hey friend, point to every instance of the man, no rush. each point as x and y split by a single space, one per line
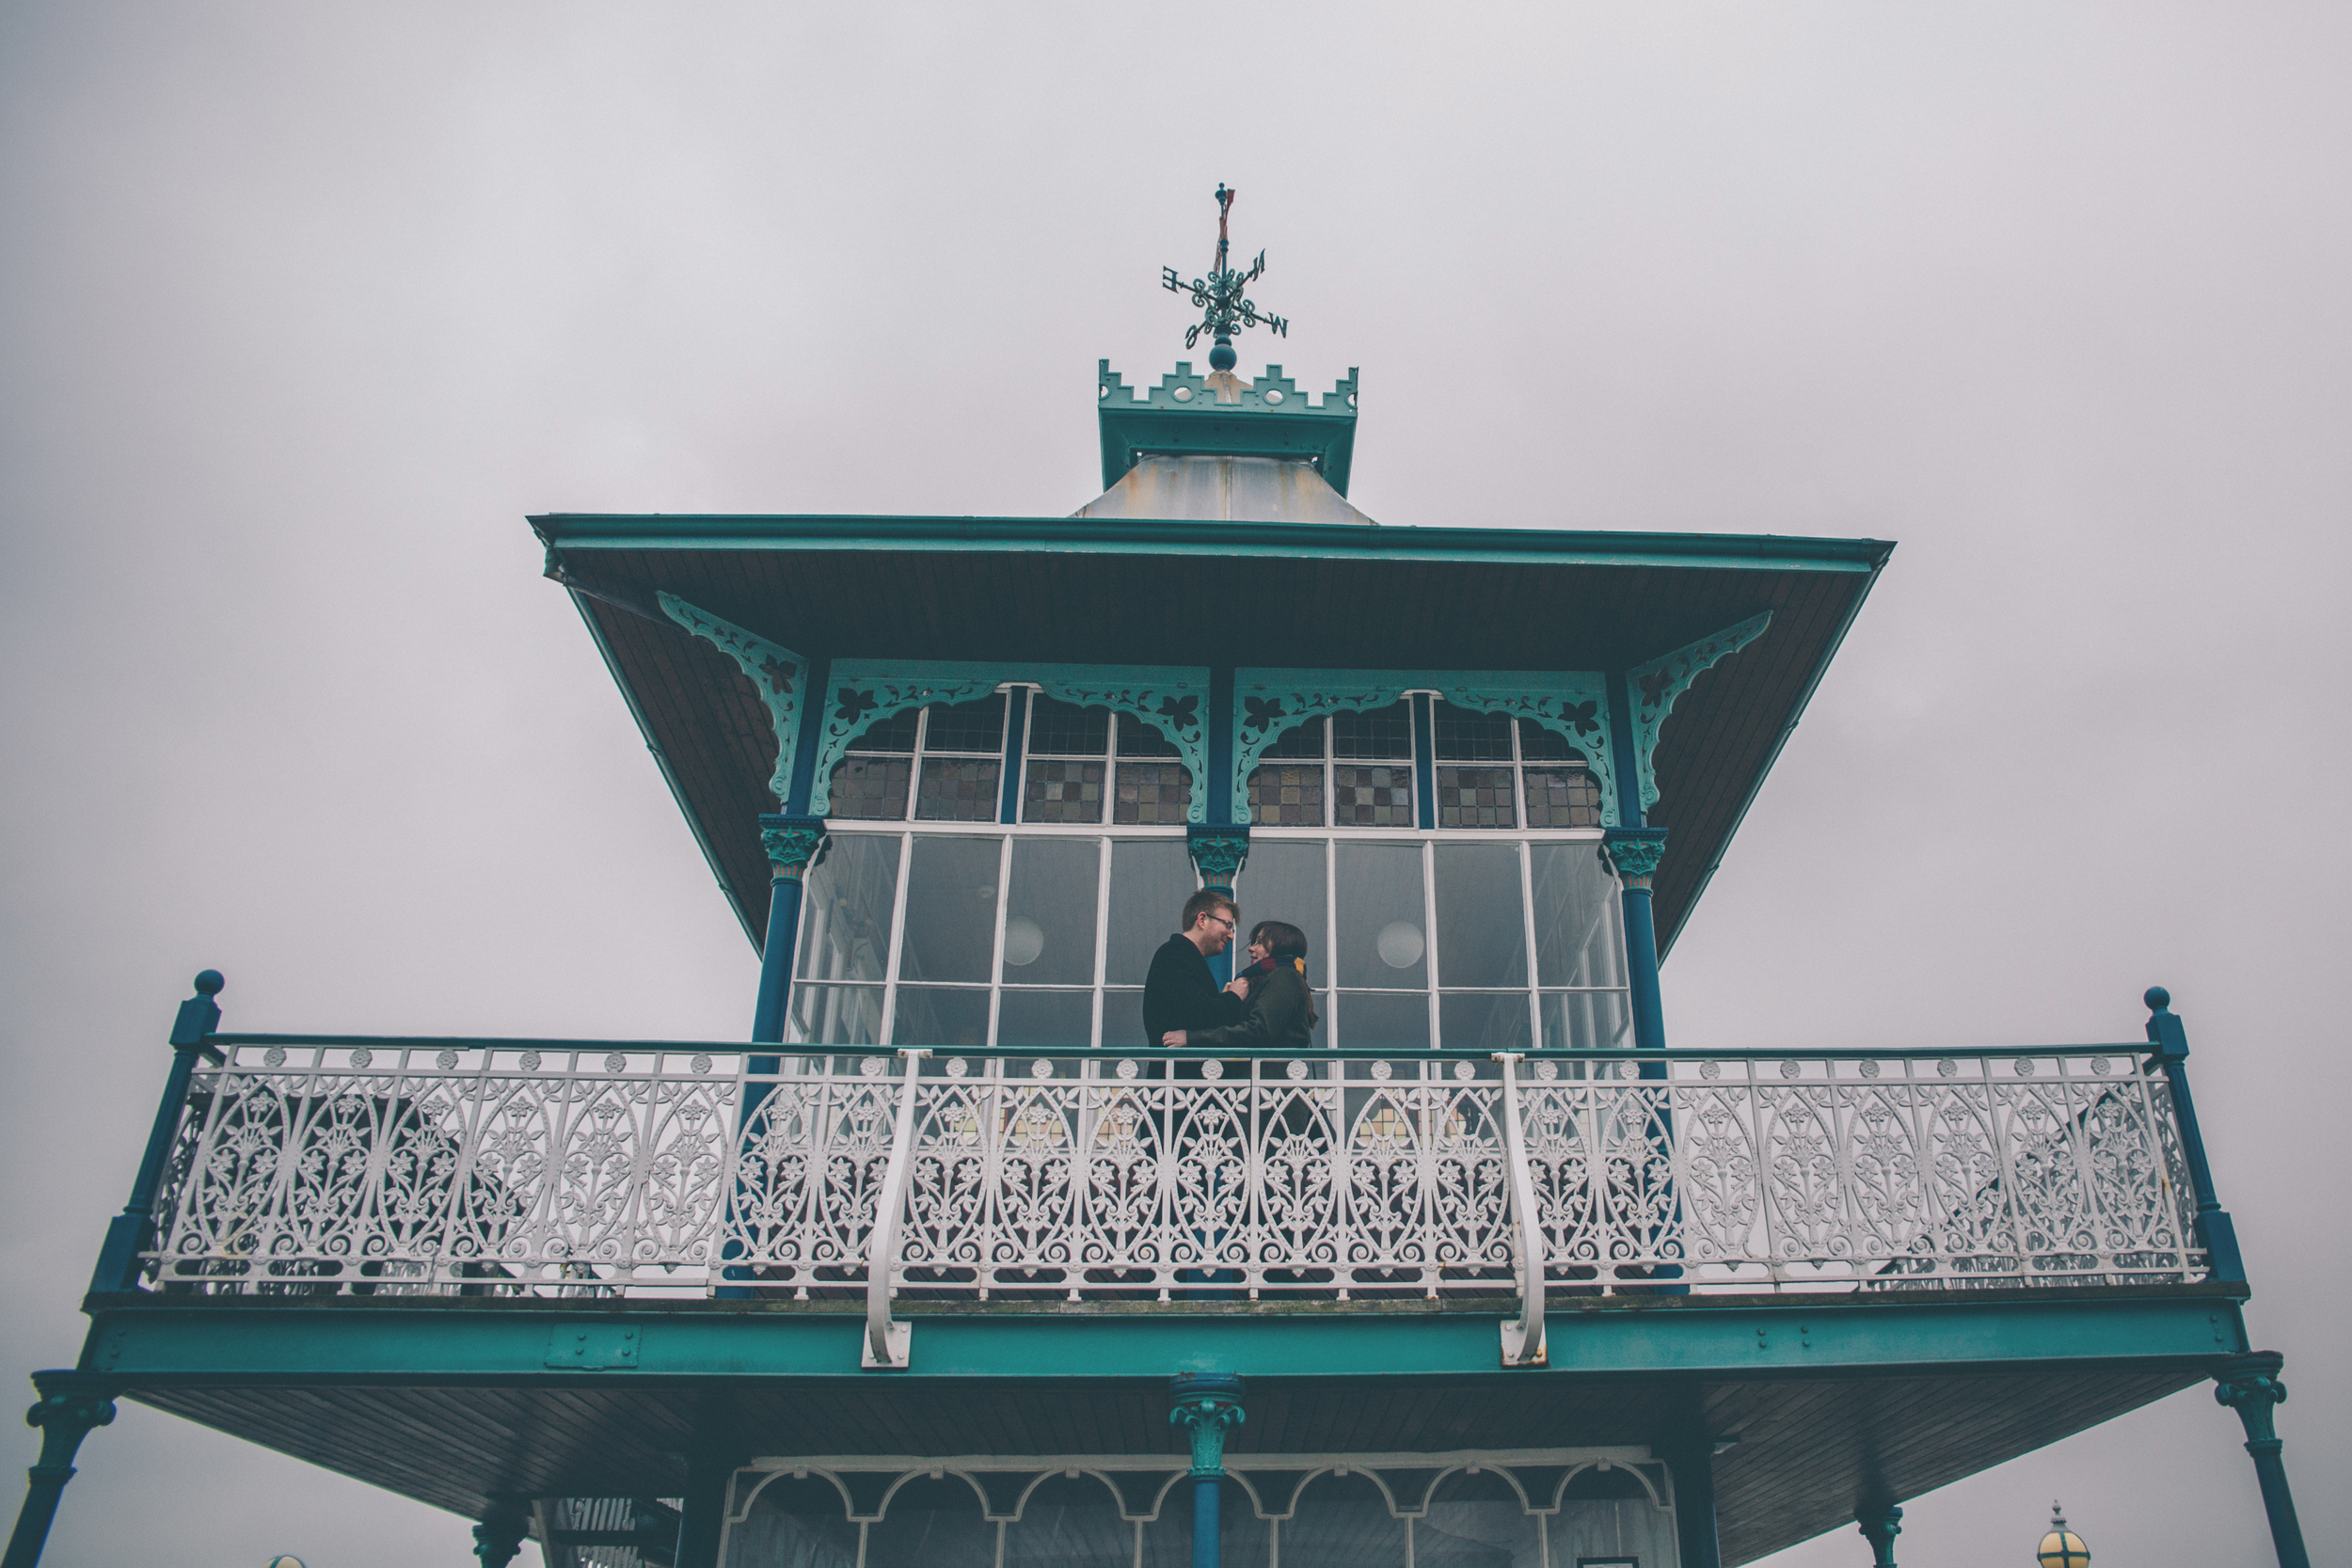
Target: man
1180 991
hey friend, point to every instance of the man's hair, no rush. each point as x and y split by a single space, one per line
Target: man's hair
1207 900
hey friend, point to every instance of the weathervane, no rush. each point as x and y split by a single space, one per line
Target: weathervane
1220 294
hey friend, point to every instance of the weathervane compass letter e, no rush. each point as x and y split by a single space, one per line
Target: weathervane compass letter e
1220 295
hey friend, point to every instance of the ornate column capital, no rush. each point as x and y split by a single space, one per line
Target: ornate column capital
791 842
2250 1386
70 1405
1209 1403
501 1536
1219 850
1880 1525
1635 853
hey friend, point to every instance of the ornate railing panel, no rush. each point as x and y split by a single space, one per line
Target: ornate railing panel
407 1166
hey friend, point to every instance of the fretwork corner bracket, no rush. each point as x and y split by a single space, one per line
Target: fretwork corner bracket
777 672
1653 689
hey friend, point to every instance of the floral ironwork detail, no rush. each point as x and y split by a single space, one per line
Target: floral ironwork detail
777 672
1654 687
1171 701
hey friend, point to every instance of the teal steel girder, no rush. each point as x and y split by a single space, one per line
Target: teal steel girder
137 1342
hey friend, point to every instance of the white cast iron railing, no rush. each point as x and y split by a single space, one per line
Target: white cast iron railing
387 1165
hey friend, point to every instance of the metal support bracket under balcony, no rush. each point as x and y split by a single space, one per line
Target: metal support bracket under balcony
888 1342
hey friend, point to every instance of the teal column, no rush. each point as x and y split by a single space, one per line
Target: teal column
709 1473
1218 851
1209 1404
501 1535
130 1233
791 842
1880 1525
70 1405
1690 1460
1635 853
2249 1385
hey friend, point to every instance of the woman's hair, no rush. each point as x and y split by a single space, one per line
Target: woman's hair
1284 940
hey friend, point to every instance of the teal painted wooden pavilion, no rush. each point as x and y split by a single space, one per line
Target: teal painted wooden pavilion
949 1264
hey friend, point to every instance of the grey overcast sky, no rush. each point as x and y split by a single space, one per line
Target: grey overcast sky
303 308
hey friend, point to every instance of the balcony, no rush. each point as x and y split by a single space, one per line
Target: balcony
1126 1178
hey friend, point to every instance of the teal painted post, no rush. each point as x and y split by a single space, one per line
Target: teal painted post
1209 1404
1879 1525
70 1405
1635 853
790 842
2249 1385
812 736
709 1473
1218 853
501 1535
1621 753
1016 742
1424 762
1690 1460
1222 787
128 1233
2213 1225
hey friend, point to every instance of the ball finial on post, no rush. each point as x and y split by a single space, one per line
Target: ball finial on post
2157 998
209 982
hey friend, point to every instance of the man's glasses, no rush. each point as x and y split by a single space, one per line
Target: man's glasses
1225 921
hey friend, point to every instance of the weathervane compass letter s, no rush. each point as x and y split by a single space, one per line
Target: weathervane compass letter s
1220 295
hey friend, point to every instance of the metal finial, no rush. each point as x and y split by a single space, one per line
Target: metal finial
1220 294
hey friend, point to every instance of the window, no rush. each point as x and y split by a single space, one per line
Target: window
1496 772
948 937
1356 770
951 753
1077 758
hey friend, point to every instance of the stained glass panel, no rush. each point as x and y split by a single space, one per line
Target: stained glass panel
1474 798
1562 798
958 789
1149 792
870 788
1064 791
1140 739
1373 797
1287 794
1059 729
1300 740
976 726
1386 732
1463 735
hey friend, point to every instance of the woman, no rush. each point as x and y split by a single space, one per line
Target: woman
1282 1008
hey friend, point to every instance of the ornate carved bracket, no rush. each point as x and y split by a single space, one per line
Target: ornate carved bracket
1574 706
1654 687
778 673
1208 1404
1267 703
1218 851
790 842
2250 1386
863 692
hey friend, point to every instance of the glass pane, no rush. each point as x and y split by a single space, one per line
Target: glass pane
1122 1019
1386 732
1049 917
1059 729
1243 1538
1152 792
1483 1020
893 733
1302 739
1285 882
1588 1020
1030 1017
1063 792
1070 1523
976 726
1140 739
951 910
1382 1023
1380 915
932 1524
1577 941
1538 744
1288 795
834 1015
1562 798
845 908
940 1016
1477 1521
958 791
1372 797
1342 1522
1463 735
1482 925
804 1523
870 789
1150 879
1474 798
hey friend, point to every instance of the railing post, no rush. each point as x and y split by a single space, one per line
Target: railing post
131 1233
2249 1385
1209 1403
1523 1340
888 1341
2213 1227
1881 1523
70 1405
